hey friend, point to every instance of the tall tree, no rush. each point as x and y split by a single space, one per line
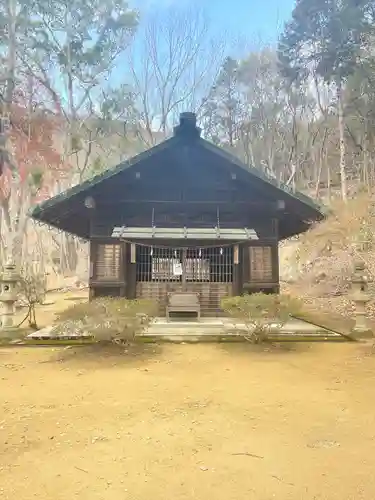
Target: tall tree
222 108
35 166
173 63
67 49
360 105
250 111
23 153
72 51
326 38
265 101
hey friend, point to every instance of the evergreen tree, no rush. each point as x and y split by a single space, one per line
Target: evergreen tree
326 39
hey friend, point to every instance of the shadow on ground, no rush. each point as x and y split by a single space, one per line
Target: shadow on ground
75 299
109 354
272 348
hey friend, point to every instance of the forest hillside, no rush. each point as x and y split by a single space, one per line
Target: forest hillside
318 265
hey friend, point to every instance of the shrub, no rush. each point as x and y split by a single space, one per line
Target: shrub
32 287
261 313
107 319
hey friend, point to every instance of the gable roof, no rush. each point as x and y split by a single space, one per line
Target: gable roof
37 211
266 180
49 211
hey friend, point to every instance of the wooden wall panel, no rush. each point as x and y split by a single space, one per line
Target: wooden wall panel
108 262
260 267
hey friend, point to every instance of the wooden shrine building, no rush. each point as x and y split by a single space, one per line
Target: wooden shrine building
183 216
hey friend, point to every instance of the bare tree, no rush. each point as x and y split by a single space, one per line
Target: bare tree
173 63
85 65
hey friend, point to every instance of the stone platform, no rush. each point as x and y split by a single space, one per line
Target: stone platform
223 329
210 330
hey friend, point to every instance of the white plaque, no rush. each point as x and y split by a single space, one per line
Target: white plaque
177 269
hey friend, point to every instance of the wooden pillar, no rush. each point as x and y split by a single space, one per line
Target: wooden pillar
237 263
92 265
275 267
275 258
245 277
130 259
184 263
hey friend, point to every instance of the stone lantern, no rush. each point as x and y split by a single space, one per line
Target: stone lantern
8 294
360 297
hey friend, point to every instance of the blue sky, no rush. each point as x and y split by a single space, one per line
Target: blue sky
251 23
252 18
260 20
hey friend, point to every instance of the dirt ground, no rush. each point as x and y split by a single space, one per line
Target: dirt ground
225 422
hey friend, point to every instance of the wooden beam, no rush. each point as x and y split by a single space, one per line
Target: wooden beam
224 205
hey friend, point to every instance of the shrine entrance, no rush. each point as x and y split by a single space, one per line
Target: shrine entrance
206 271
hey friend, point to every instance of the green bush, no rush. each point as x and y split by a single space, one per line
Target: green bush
261 313
115 320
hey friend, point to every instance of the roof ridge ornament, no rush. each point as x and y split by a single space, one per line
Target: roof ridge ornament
188 125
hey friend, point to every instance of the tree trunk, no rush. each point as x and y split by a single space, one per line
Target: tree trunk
340 107
322 158
365 170
366 157
11 57
319 176
68 254
329 191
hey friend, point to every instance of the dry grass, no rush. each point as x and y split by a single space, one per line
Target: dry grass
341 228
187 422
55 303
325 256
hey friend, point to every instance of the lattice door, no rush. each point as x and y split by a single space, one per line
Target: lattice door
208 272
